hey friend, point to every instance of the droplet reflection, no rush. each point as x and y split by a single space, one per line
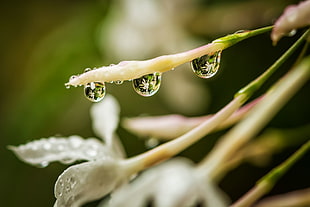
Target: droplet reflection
94 91
206 66
147 85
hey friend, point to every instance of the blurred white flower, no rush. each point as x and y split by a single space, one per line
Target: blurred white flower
175 183
90 180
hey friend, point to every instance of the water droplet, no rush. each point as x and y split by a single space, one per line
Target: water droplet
92 153
241 31
43 164
147 85
94 91
71 181
75 142
87 70
73 77
118 82
292 33
68 189
47 146
60 147
61 183
151 143
67 161
206 66
34 147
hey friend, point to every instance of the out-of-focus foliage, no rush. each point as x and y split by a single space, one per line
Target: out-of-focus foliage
44 42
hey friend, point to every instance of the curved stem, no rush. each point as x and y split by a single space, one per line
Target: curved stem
257 83
264 185
256 120
175 146
128 70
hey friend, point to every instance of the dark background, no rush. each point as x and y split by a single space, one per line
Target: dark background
44 42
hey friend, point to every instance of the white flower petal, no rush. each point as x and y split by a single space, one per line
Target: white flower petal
174 184
65 150
212 195
87 182
105 116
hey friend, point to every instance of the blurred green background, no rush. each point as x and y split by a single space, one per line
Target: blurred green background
45 42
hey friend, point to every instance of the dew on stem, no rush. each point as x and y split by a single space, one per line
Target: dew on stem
94 91
147 85
207 66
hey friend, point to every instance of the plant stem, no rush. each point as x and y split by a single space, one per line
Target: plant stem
256 120
128 70
265 184
175 146
232 39
168 127
257 83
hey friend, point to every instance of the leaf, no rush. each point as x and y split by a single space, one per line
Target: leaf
65 150
294 17
105 116
87 182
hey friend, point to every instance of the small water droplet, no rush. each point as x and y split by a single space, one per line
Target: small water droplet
241 31
75 142
60 147
72 182
67 161
43 164
206 66
61 183
87 70
118 82
94 91
47 146
59 194
292 33
68 189
73 77
92 153
147 85
34 147
151 143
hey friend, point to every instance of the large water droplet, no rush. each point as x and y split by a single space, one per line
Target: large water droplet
94 91
206 66
147 85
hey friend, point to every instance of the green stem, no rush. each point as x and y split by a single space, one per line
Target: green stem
232 141
265 184
279 171
258 82
232 39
